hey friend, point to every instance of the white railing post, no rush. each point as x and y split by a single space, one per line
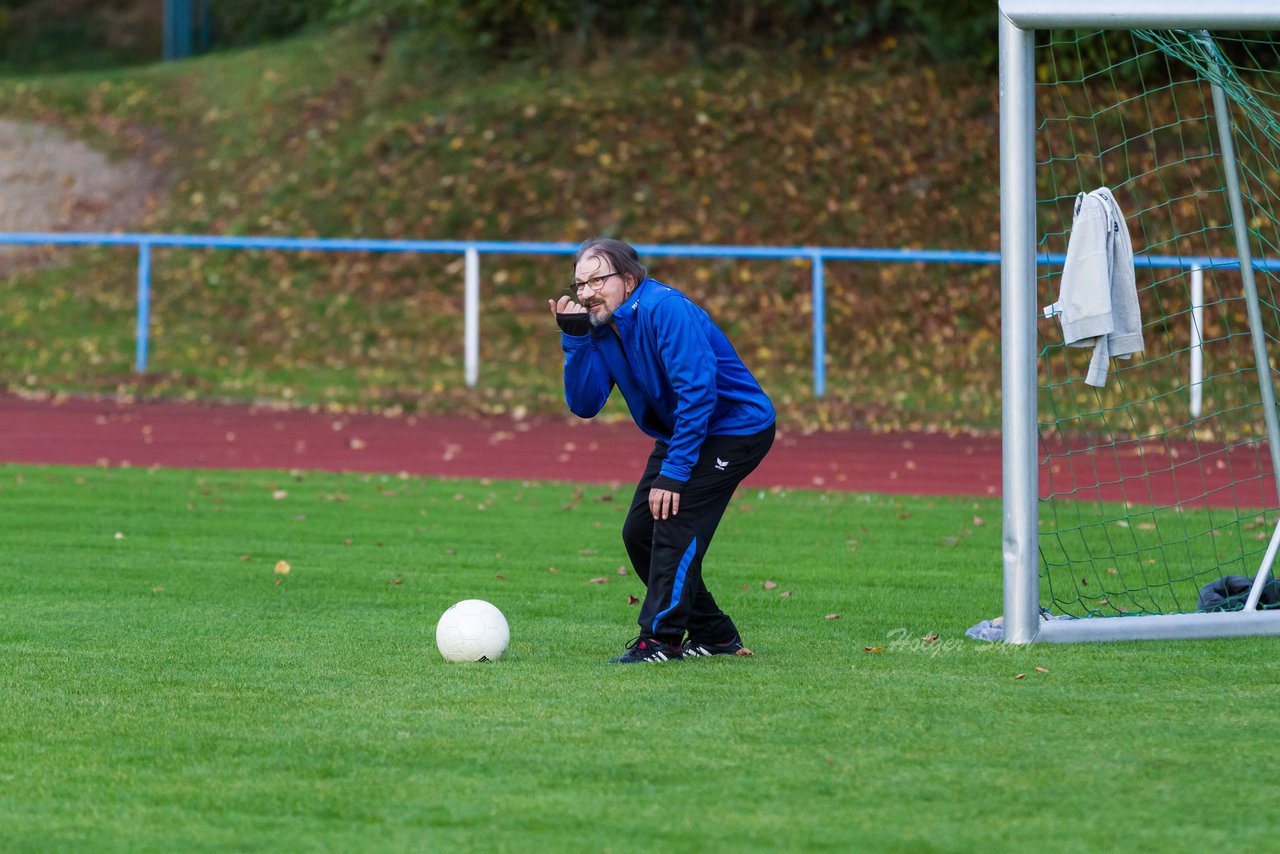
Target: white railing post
1197 340
471 309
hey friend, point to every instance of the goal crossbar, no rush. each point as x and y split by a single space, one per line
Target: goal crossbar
1139 14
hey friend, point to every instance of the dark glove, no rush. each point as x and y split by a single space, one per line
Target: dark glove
575 323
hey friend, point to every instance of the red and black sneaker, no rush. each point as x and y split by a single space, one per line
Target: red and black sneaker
702 649
648 651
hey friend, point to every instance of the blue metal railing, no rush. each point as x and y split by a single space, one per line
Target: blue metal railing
471 249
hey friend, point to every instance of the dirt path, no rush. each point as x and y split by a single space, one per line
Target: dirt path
49 182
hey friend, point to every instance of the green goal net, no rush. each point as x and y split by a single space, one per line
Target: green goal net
1157 481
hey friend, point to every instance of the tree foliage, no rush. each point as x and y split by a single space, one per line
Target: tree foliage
57 34
965 28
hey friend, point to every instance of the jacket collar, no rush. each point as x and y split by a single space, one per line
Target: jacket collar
627 311
625 314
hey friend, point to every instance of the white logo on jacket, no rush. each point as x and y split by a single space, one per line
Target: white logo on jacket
720 464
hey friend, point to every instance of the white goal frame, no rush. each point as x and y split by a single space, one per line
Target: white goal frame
1019 19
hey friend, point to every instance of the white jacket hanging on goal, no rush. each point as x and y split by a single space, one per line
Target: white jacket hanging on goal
1098 300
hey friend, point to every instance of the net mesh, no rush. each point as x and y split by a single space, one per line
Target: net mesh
1145 495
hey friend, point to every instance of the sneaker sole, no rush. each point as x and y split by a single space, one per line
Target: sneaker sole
702 652
656 658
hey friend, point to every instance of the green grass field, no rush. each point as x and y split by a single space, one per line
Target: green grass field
162 692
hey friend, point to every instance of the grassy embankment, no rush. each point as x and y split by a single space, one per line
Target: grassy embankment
313 137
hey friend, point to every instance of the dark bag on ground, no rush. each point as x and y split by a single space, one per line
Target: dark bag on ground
1230 592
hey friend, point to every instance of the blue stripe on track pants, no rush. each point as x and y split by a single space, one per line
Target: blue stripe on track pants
668 554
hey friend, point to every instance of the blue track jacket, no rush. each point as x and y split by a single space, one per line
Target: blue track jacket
679 374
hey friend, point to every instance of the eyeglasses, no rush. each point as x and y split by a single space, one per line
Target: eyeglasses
595 283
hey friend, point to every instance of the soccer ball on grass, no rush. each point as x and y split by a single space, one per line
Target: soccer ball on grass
472 630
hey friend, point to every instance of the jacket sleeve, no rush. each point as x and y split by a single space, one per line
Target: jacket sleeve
691 370
587 381
1085 297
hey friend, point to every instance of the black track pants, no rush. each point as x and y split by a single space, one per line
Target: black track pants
667 553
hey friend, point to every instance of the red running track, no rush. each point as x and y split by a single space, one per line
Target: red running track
109 432
78 431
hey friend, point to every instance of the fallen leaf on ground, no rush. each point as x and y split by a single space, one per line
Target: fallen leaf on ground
631 600
832 617
598 581
1041 670
282 568
873 649
769 585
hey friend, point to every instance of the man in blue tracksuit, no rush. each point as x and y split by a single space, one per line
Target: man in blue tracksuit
711 422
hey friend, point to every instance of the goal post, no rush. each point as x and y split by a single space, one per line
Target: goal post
1116 506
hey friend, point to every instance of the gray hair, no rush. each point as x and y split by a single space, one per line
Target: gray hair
623 256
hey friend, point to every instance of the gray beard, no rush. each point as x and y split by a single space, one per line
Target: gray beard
596 324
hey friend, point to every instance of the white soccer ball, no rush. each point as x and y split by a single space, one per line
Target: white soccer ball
472 630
